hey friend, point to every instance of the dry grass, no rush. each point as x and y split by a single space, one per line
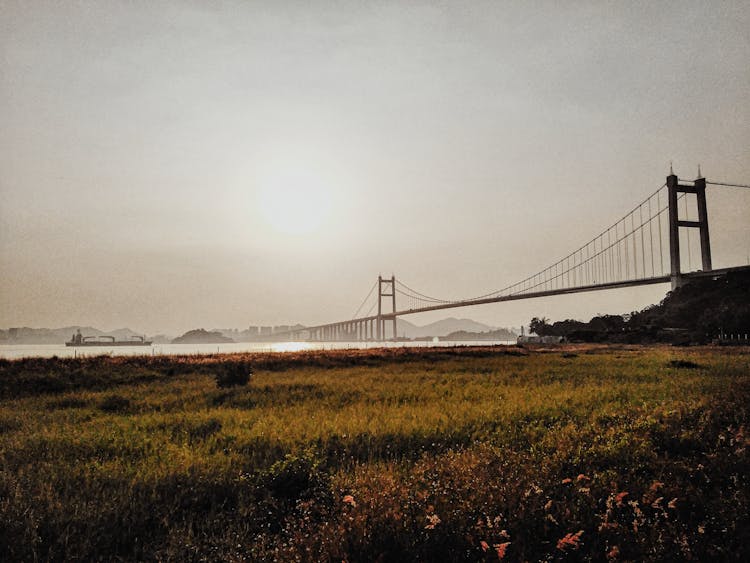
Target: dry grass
441 454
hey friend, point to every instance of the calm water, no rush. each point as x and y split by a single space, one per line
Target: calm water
48 350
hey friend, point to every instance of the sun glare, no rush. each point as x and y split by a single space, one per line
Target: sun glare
295 204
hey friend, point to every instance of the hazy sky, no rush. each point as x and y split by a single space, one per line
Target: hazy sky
172 165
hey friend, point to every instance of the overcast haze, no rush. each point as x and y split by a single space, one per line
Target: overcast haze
170 165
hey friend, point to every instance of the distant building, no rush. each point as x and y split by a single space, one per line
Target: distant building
253 330
534 339
281 328
266 330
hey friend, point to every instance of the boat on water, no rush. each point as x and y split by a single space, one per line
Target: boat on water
78 340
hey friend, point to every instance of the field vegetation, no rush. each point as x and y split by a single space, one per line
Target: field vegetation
468 454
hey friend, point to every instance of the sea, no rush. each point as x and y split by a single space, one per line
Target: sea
15 351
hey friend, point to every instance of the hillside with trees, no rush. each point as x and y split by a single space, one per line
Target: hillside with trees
699 311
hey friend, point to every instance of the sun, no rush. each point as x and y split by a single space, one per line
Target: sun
295 204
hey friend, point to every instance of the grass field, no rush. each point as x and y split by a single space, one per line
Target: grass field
468 454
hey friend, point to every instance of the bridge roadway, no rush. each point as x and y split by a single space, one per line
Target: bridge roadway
365 328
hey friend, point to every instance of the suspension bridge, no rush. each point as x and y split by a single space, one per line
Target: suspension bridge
644 247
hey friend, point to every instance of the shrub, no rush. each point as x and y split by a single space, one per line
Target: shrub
233 374
684 364
115 403
295 477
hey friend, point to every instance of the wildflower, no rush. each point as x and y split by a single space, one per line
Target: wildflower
548 506
620 497
571 541
349 499
485 545
672 503
584 490
581 477
501 548
567 480
613 553
533 490
655 486
740 437
433 520
657 503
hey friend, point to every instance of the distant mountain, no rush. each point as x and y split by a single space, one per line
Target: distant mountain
26 335
201 336
439 328
122 334
161 339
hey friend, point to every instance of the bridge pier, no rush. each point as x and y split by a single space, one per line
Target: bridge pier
674 187
384 285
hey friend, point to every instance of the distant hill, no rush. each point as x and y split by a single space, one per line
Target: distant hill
201 336
161 339
439 328
26 335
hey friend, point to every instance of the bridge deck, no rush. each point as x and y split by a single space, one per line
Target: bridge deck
527 295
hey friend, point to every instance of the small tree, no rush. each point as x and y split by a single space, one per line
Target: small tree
539 326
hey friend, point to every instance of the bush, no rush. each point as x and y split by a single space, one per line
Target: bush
233 374
684 364
296 477
115 403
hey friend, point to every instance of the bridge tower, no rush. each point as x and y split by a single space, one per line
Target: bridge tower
674 187
386 288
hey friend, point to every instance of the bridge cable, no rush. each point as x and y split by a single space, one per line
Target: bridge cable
354 316
728 185
583 268
624 239
413 299
579 251
371 309
425 297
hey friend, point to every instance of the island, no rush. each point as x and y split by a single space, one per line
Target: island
201 336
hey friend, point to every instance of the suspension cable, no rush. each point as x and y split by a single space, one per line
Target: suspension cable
354 316
425 297
728 185
564 263
581 264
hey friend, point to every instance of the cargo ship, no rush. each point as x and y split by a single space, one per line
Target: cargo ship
78 340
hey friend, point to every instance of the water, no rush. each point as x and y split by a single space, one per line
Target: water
12 351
